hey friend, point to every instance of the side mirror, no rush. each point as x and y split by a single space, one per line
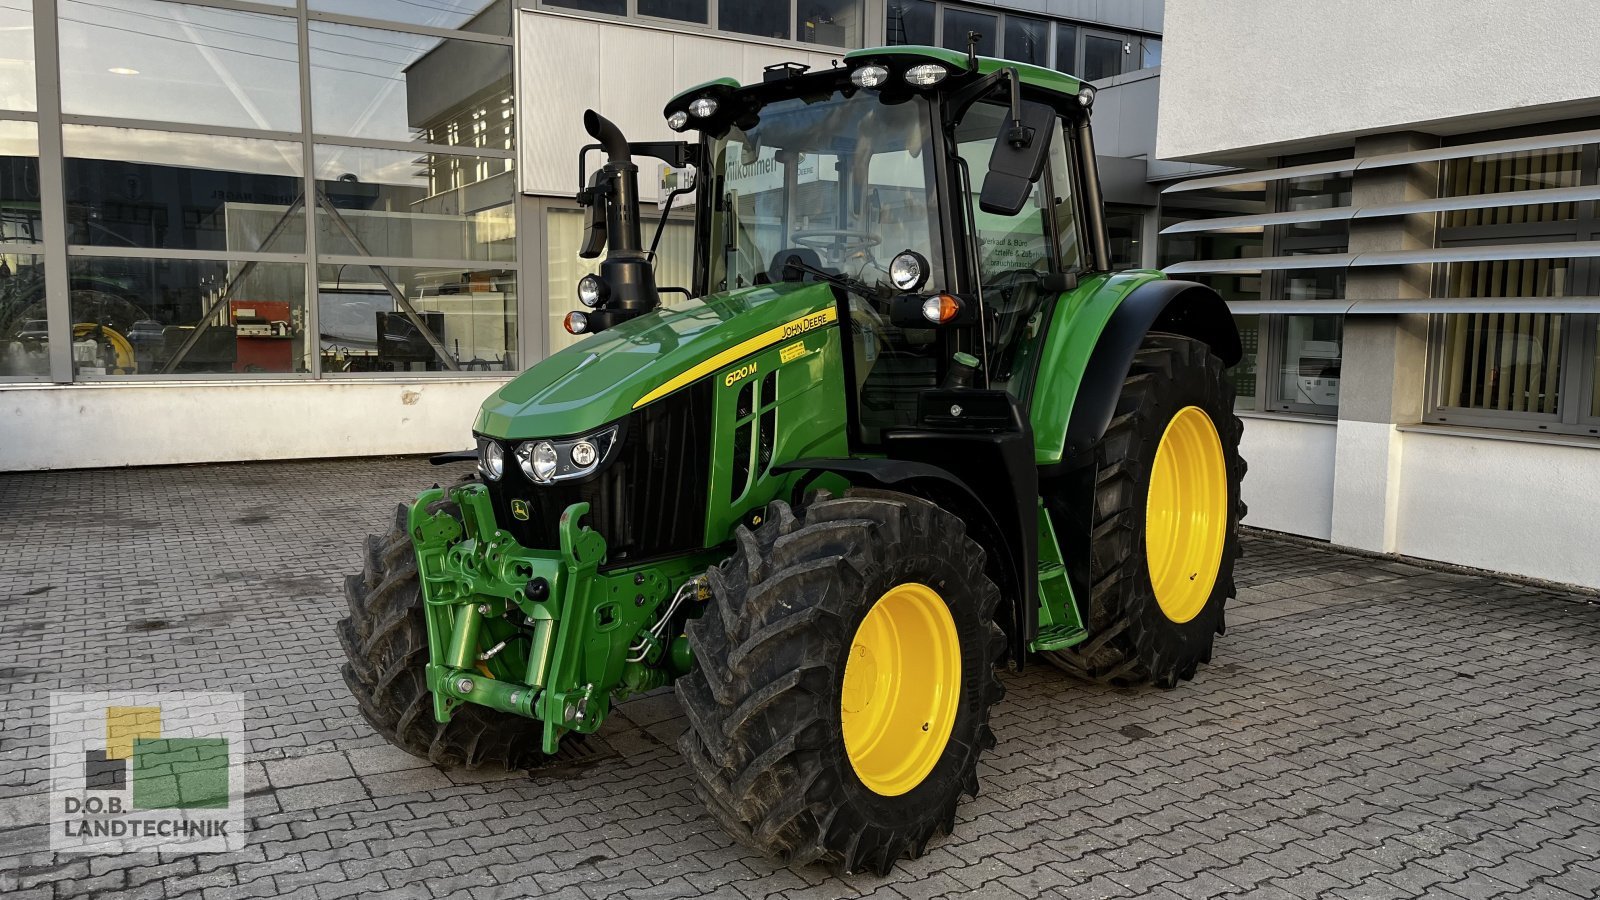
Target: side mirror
594 218
1017 160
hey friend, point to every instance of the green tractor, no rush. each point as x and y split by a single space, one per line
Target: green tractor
908 426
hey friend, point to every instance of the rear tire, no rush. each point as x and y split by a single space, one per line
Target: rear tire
767 704
1133 639
386 642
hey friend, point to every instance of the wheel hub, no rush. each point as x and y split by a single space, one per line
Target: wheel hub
902 684
1186 514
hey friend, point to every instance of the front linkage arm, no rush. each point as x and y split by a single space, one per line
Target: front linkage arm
536 633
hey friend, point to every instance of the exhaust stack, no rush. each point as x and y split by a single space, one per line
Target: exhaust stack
628 278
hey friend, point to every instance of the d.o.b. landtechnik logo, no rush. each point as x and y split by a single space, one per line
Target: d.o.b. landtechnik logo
136 772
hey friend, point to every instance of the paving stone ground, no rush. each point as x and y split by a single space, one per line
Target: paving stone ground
1368 729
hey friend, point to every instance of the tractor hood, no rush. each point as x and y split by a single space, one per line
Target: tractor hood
605 376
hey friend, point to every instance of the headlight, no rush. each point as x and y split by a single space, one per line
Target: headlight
591 290
678 120
703 107
538 461
546 461
1086 96
491 460
926 74
909 270
869 76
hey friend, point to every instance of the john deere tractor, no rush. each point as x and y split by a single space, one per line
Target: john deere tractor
906 425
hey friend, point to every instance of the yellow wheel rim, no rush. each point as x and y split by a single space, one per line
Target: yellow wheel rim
901 687
1186 515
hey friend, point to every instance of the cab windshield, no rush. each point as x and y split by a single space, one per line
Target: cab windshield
841 182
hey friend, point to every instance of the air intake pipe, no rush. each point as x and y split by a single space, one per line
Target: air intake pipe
629 277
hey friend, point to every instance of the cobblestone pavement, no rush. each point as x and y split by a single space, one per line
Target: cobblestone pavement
1368 729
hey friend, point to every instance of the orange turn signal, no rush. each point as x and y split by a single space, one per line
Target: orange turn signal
575 323
941 308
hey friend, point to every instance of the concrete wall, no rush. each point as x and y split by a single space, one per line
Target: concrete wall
1289 486
1249 78
1508 505
94 425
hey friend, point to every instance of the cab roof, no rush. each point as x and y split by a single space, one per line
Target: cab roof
1032 75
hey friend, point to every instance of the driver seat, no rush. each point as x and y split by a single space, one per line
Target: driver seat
780 270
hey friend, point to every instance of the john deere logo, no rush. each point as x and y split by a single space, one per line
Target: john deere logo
519 510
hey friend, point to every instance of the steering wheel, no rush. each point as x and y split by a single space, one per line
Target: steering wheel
838 241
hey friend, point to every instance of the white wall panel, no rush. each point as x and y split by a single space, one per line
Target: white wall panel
560 79
1289 486
1245 75
98 425
1512 506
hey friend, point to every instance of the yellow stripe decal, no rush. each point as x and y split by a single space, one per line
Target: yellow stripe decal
760 342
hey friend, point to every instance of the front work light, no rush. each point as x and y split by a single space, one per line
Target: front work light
926 75
678 120
491 460
703 107
584 454
591 290
538 461
576 323
908 271
940 308
869 76
1086 96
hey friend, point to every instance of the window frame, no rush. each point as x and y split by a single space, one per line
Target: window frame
1576 356
710 26
1132 41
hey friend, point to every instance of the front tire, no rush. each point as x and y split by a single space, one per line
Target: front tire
1165 520
845 676
385 641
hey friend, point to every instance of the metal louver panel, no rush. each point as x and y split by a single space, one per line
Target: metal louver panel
1556 250
1345 213
1410 157
1417 305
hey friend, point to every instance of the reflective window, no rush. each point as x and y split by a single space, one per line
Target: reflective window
1243 375
140 59
19 184
763 18
834 23
391 203
1125 231
133 316
1102 57
1151 56
1504 361
609 7
484 16
911 22
409 87
680 10
129 187
1027 40
1309 372
960 23
24 339
396 319
1067 48
1500 173
16 56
